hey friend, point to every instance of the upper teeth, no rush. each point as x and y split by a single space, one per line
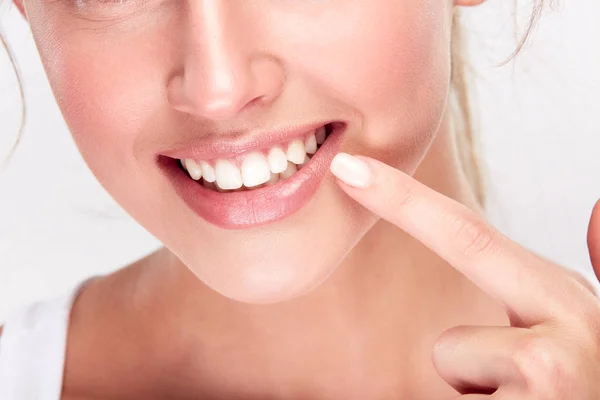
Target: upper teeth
208 172
277 160
255 171
257 168
311 144
296 151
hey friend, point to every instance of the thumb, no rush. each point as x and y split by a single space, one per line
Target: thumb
593 239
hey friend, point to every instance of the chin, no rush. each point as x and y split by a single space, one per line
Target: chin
275 264
276 283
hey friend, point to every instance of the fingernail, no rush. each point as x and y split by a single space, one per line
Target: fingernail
351 170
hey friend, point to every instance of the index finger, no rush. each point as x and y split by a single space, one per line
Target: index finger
531 288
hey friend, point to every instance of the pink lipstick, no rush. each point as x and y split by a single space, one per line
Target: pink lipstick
263 205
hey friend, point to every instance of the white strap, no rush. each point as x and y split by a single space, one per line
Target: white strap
32 349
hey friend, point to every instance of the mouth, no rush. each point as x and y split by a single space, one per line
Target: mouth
259 186
257 169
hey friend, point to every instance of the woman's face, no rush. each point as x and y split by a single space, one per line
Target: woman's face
142 83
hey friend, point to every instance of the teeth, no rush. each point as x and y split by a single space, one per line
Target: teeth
289 171
306 160
320 135
255 170
277 160
228 175
208 172
193 169
273 180
311 144
296 151
209 185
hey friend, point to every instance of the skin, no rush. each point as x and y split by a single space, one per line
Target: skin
224 314
225 67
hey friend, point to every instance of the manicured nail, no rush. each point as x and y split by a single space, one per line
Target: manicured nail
351 170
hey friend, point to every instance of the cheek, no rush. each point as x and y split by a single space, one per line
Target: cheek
386 61
393 68
109 96
105 105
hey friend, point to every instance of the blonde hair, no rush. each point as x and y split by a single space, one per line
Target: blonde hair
463 113
463 121
15 66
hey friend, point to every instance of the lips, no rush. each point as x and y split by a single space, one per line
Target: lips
259 206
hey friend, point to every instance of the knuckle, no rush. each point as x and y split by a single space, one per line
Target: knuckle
582 320
583 281
544 371
472 235
589 326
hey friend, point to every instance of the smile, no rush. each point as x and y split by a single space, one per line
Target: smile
258 168
251 188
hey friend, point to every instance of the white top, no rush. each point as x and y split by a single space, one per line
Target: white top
32 349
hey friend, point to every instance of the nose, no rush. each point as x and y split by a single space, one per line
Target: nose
224 71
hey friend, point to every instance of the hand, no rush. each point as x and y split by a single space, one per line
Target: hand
551 351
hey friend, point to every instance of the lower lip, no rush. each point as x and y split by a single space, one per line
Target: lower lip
239 210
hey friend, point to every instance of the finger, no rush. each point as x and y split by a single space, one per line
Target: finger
480 360
498 395
501 394
583 281
593 239
473 397
529 287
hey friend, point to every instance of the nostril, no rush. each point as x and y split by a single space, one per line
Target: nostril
258 101
218 99
218 103
220 87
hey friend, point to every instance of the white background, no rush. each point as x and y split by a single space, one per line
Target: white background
538 123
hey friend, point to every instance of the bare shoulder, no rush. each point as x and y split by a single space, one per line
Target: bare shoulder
105 334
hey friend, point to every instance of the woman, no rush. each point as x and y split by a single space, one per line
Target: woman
291 268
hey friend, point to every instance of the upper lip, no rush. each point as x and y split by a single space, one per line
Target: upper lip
229 146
